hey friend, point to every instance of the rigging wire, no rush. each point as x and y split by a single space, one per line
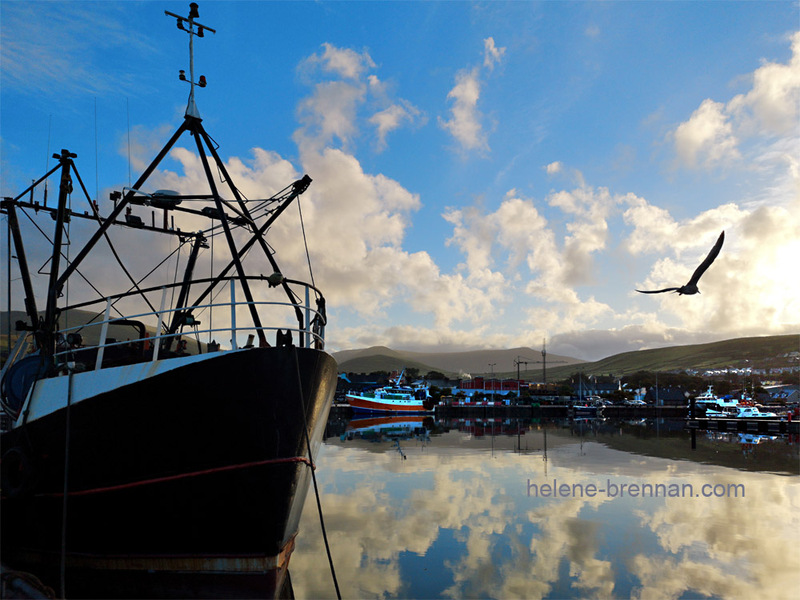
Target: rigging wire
68 428
108 240
305 241
130 289
128 112
47 156
313 475
211 311
96 159
175 277
8 291
46 237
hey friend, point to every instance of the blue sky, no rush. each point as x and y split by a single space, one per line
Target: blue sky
485 174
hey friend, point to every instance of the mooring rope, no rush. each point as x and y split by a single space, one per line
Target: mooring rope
63 563
313 475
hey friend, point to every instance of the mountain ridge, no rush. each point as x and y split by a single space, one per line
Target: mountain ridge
757 352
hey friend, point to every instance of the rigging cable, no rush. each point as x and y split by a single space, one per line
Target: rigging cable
89 283
128 112
305 241
63 563
175 277
96 159
8 291
211 311
108 239
313 476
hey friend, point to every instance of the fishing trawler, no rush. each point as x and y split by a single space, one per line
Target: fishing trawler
140 448
392 398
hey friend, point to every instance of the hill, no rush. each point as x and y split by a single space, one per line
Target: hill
756 352
476 362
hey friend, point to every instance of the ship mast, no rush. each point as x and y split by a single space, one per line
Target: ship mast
195 29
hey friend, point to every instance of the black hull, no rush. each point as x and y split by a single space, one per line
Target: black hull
204 467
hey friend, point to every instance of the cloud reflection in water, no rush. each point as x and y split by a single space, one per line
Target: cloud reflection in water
454 520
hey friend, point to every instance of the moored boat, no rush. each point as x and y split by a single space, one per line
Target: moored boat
710 405
753 412
392 398
138 454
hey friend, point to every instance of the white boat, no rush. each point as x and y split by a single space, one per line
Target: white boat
393 398
714 406
752 412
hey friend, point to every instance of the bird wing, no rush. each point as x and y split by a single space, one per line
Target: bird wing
658 291
698 272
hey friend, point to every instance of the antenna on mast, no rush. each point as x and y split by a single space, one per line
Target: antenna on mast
195 29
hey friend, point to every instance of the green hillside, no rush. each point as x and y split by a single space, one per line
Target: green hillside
383 362
756 352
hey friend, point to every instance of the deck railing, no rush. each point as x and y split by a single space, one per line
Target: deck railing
158 345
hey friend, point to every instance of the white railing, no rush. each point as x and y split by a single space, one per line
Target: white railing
310 335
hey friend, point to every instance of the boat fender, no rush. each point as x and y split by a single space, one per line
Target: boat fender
16 473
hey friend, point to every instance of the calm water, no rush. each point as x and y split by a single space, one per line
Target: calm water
462 510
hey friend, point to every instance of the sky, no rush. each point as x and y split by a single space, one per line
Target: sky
485 174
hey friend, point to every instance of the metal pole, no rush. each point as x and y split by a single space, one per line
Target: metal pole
157 341
233 314
103 333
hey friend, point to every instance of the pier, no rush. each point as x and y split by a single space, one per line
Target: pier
760 426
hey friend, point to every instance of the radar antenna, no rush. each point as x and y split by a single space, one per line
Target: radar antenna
195 29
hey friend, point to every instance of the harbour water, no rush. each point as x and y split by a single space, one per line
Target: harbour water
559 509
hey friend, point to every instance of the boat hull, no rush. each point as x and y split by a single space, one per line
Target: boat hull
373 405
202 467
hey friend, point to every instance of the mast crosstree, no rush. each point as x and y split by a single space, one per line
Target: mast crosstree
194 29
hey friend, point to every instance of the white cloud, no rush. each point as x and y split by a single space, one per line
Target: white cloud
747 290
466 120
491 53
773 103
713 135
332 113
342 62
707 138
391 118
553 168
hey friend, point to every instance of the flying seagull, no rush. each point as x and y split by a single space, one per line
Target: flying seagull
691 287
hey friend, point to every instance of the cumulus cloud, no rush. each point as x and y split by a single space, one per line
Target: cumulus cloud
714 133
773 103
706 139
525 266
343 87
342 62
466 120
745 292
553 168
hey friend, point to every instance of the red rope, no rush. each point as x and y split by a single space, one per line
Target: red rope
124 486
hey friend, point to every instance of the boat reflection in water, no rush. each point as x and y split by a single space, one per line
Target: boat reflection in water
468 512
